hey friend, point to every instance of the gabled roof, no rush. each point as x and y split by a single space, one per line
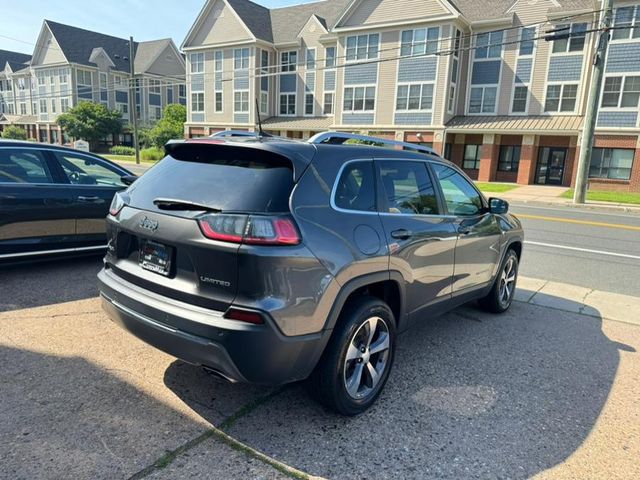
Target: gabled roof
17 61
147 53
288 21
256 18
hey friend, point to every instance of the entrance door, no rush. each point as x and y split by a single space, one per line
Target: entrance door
551 165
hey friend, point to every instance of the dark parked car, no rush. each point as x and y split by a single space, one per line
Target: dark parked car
54 200
270 261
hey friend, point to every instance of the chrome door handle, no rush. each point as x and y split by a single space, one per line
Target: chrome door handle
401 234
83 199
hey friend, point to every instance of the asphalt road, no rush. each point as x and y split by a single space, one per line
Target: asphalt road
597 249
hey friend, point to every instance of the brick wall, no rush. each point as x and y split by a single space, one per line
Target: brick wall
618 141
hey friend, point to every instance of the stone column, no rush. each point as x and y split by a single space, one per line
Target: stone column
488 158
527 167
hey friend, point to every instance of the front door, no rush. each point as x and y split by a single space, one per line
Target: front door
551 165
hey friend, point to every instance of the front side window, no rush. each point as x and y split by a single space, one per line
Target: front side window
240 58
197 102
460 196
527 35
630 92
359 99
308 104
22 166
328 103
471 159
415 97
330 57
408 188
483 100
509 158
81 170
561 98
288 104
311 58
611 163
420 41
355 189
362 47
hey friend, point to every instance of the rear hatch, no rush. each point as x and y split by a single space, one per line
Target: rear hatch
184 220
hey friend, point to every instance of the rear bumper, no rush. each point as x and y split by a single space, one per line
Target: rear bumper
239 352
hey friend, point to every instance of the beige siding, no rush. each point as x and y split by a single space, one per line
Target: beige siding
219 25
310 38
51 53
443 75
381 11
387 77
168 63
507 75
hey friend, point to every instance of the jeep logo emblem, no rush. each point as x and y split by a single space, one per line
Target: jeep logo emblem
148 224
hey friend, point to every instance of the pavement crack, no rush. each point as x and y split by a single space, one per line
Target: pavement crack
584 305
35 317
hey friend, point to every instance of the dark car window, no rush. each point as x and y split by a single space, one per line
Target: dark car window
408 188
460 196
23 166
356 187
85 170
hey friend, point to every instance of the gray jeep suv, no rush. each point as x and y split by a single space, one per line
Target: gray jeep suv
270 261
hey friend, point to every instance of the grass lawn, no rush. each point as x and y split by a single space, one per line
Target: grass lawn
602 196
124 158
495 187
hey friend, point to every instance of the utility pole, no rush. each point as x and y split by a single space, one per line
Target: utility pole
586 145
132 99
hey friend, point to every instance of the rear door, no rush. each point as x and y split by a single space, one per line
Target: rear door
91 183
479 234
35 208
420 239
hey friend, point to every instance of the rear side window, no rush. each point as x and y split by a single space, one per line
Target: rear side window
23 166
229 179
408 188
356 187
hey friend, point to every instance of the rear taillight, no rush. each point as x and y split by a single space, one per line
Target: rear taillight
250 229
118 202
244 316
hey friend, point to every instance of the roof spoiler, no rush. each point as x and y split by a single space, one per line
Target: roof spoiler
340 138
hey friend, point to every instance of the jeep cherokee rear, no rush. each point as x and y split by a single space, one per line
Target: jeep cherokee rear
270 261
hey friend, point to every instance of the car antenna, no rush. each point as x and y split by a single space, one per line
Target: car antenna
260 132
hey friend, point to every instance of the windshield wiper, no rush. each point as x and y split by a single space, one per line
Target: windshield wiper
176 205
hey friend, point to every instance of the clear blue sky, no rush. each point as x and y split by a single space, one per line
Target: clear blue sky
145 20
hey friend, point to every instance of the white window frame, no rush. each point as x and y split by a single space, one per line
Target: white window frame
521 41
295 106
264 71
624 78
531 56
513 98
371 51
633 28
484 88
242 101
308 95
491 42
196 62
452 91
333 103
332 57
422 47
311 61
354 88
422 86
197 93
43 106
567 50
239 58
218 68
264 102
560 99
286 66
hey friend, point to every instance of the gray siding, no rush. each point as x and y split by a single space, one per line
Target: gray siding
565 68
241 81
419 69
361 74
486 73
310 83
357 118
523 70
418 118
197 82
617 119
623 57
197 117
329 81
288 83
241 117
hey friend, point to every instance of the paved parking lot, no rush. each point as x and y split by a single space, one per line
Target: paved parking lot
538 391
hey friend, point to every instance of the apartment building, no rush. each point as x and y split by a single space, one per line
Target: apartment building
70 65
475 79
15 88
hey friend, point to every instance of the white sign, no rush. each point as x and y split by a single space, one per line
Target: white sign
81 145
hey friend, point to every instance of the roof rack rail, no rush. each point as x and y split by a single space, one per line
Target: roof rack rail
339 138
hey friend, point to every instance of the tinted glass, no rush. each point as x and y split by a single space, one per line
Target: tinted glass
460 196
81 170
408 188
23 166
226 178
356 188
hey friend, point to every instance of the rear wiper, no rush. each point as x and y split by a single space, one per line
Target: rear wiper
172 204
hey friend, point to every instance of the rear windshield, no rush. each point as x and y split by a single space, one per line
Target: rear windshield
237 180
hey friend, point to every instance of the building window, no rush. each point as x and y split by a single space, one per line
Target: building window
527 42
218 67
197 102
123 108
288 104
218 61
362 47
561 98
311 59
483 100
53 105
43 106
308 104
82 76
509 158
575 42
241 102
154 86
219 103
330 57
628 17
197 62
489 45
359 99
520 97
264 102
240 58
23 108
288 61
415 97
611 163
182 90
471 160
420 41
328 103
611 96
63 75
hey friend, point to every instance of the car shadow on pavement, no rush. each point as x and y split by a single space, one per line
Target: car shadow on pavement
36 284
471 395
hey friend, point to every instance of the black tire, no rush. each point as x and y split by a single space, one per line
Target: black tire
497 301
328 381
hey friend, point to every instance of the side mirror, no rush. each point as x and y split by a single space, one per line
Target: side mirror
498 206
129 179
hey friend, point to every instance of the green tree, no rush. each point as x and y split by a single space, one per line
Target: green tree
14 132
91 122
170 126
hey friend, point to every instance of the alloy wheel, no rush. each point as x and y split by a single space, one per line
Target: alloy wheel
507 281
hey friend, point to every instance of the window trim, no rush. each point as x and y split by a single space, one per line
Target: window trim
217 91
513 98
241 92
484 87
295 103
635 24
412 44
623 76
608 178
291 67
333 103
192 64
477 161
367 57
501 149
409 85
364 102
559 111
568 50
